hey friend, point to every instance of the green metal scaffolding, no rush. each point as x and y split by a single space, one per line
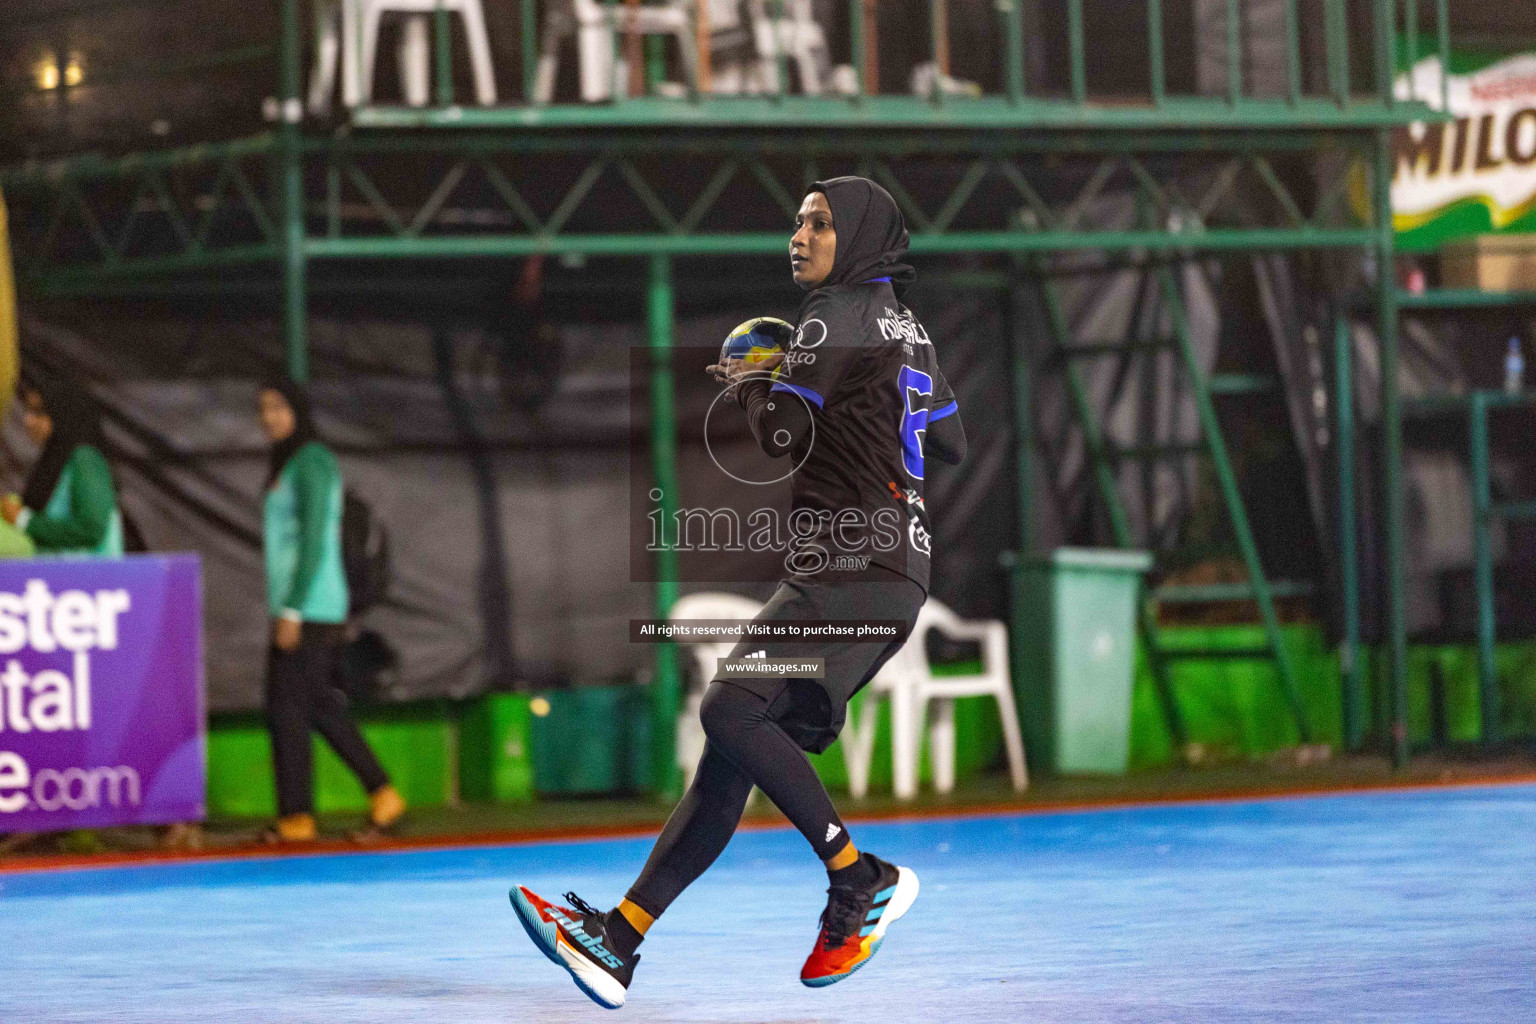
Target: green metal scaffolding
279 201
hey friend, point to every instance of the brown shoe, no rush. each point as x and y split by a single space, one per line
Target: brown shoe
385 806
293 828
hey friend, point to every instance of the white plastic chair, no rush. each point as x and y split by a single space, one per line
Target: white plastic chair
599 53
706 605
798 36
347 37
907 680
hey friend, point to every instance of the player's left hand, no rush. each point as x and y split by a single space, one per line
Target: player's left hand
733 371
286 633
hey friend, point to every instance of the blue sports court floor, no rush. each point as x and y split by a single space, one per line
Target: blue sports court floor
1398 906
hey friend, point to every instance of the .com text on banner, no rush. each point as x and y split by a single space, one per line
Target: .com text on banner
101 692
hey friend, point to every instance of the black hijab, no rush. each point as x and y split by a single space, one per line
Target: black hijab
303 423
76 421
871 233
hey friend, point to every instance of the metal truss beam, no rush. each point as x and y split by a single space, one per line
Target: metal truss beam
209 207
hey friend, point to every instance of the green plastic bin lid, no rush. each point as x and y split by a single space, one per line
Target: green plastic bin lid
1107 559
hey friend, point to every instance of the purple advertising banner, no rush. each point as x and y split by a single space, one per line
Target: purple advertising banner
101 692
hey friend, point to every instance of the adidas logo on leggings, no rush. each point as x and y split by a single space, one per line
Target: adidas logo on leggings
832 830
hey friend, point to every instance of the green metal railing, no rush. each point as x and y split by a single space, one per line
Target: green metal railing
1076 90
1012 57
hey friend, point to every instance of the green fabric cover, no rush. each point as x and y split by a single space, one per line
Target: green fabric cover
496 749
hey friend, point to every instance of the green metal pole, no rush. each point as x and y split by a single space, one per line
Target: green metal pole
1024 442
443 38
856 36
1349 570
938 45
1023 415
620 89
1336 24
1386 49
1013 29
529 9
1392 443
1079 64
1292 52
1482 560
1411 29
665 691
1234 53
290 158
1155 51
655 63
780 59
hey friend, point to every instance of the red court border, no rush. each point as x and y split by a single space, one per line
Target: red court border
533 837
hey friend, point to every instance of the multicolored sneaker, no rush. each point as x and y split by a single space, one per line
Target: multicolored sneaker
853 924
576 939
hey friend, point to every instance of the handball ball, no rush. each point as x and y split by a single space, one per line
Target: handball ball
757 339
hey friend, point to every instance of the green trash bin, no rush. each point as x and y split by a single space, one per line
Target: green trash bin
496 748
1076 657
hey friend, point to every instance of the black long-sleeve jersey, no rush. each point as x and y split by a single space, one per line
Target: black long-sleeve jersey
859 404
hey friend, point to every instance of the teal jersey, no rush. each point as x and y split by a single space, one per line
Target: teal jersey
301 538
81 517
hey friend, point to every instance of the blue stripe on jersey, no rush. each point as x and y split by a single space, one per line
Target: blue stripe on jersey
805 393
940 413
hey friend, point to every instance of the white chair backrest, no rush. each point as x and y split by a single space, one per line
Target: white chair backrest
713 605
913 659
724 15
936 615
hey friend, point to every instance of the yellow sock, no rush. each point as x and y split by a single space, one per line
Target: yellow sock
638 919
842 858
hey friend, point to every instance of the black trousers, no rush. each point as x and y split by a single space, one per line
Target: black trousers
758 731
302 694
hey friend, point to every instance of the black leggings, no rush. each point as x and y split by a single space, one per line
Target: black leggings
746 746
302 694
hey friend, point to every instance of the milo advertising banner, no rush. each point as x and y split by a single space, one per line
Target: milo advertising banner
101 692
1474 174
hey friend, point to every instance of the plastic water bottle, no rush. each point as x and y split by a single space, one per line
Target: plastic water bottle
1514 369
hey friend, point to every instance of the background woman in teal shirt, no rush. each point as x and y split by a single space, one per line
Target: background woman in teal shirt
307 599
69 504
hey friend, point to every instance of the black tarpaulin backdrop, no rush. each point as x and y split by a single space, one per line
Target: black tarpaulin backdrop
505 488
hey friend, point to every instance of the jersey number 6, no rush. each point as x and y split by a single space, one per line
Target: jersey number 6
916 389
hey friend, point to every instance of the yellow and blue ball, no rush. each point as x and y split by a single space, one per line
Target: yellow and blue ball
757 339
